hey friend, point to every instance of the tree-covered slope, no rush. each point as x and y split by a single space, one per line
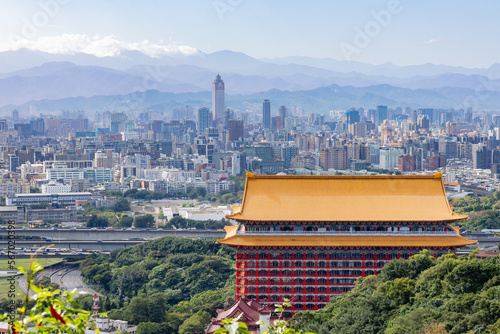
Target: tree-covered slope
164 283
419 295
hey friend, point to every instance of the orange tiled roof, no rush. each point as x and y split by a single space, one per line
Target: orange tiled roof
451 183
344 198
232 239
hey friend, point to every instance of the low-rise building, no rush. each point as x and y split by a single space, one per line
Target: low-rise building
15 213
55 188
10 187
52 199
215 187
57 215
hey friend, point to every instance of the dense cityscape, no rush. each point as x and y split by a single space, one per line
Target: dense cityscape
79 174
174 153
249 167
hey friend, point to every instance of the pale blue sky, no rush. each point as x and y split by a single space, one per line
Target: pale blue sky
451 32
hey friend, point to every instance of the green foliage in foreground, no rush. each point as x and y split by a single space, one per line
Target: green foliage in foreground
48 310
168 285
419 295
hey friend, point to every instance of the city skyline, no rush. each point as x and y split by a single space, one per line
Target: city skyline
373 32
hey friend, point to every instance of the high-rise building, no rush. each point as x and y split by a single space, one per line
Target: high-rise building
118 122
236 130
277 123
238 163
481 157
228 115
106 159
423 123
389 157
452 128
308 238
406 163
13 162
283 112
418 157
3 125
381 114
15 115
468 116
218 102
266 114
351 116
38 127
434 161
24 129
448 148
203 120
288 153
431 114
334 158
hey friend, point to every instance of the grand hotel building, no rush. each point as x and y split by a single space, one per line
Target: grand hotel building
307 238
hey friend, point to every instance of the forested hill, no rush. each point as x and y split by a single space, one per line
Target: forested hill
421 295
168 285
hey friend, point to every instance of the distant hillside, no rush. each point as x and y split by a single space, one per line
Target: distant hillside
319 100
27 76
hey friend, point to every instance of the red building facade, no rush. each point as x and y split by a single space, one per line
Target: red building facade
308 238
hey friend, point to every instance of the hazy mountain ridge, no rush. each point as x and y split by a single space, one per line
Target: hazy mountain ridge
66 79
319 100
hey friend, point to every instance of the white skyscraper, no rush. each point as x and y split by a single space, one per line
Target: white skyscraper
218 103
236 166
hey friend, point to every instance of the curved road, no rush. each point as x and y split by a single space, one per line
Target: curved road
68 279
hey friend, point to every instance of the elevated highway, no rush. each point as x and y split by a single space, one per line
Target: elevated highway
115 234
100 239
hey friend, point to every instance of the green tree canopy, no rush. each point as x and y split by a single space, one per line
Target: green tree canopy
97 221
122 204
144 221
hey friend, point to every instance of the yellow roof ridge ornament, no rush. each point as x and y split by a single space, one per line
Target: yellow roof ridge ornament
438 175
250 175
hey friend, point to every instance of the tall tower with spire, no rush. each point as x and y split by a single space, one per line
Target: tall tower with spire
218 102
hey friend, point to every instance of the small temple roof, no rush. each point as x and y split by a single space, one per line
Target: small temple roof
249 310
415 198
232 239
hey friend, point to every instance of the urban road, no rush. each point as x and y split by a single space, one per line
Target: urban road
102 239
68 277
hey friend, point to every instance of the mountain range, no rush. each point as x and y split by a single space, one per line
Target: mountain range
53 82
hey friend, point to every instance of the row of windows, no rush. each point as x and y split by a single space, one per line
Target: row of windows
284 289
297 306
298 281
264 264
358 228
334 255
276 297
307 272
